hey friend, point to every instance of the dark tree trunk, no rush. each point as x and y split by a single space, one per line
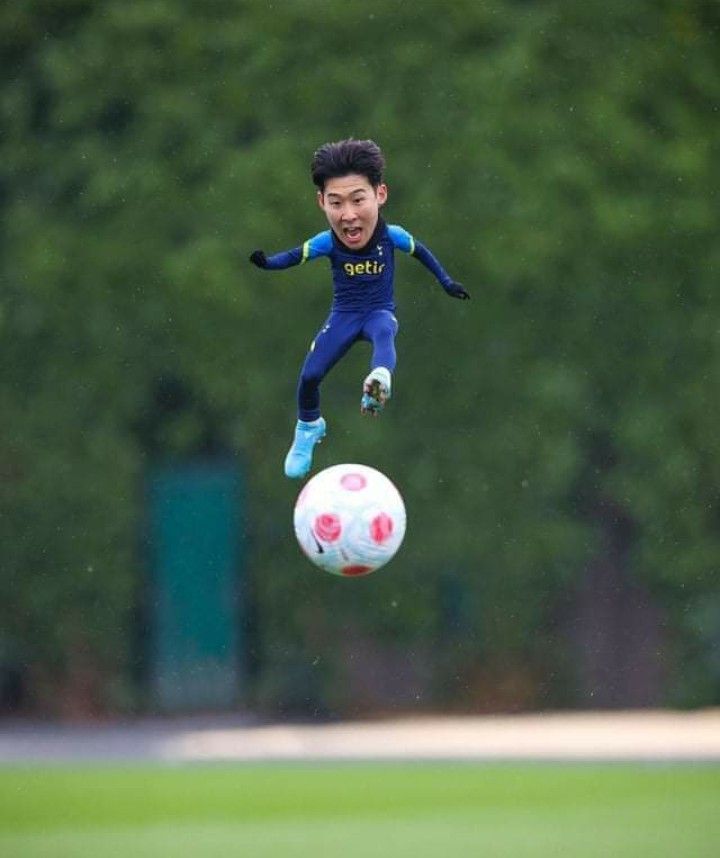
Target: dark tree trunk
615 627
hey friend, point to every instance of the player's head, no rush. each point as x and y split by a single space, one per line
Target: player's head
349 178
334 160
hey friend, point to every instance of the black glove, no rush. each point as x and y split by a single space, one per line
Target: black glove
457 290
257 257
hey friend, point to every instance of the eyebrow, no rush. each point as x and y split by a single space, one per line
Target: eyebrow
349 194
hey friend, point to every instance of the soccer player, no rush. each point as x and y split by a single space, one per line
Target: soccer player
360 246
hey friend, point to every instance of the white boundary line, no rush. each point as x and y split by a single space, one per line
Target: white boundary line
653 736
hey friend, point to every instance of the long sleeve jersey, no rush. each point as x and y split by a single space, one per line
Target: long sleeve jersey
362 279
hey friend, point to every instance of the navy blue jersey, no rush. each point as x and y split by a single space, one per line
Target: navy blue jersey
362 279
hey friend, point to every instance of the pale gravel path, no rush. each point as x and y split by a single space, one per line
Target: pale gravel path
652 736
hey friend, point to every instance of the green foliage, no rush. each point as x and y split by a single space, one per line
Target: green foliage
560 159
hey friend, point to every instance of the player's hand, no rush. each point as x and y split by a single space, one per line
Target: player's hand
257 257
457 290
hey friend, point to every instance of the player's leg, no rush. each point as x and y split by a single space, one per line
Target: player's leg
331 343
380 329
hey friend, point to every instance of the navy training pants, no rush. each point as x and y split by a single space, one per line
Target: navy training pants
333 340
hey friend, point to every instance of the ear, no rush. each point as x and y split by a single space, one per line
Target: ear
321 200
381 193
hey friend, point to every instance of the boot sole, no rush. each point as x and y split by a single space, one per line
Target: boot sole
374 390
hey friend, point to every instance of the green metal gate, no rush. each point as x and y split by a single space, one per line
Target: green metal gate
195 608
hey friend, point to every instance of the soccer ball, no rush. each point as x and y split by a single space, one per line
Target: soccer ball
349 520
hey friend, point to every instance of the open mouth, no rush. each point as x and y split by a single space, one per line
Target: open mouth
352 234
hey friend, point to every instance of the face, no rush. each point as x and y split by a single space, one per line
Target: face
352 207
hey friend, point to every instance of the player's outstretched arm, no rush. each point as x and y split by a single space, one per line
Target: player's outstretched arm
405 242
318 245
454 289
284 259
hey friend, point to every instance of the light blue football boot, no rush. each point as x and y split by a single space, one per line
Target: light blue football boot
376 391
299 458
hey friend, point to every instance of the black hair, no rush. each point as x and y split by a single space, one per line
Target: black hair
333 160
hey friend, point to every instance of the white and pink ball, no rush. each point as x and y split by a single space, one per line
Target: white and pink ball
349 520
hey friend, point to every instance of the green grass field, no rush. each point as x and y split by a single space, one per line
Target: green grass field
361 810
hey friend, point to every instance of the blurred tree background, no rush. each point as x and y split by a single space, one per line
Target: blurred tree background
555 438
